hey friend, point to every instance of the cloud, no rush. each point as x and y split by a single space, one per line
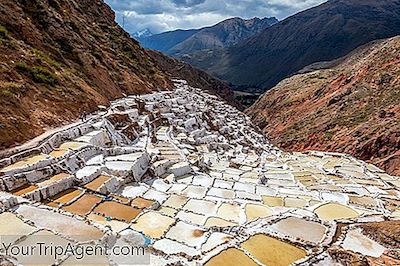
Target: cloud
165 15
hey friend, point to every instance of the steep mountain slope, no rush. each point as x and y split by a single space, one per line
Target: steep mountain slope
224 34
353 107
323 33
60 58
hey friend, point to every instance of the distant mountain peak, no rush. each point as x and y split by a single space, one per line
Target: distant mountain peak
142 34
223 34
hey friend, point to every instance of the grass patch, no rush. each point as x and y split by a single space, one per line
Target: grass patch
39 74
46 58
3 32
11 91
329 135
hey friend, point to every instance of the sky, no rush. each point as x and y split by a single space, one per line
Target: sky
166 15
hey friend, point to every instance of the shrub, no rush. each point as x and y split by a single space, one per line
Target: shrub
46 58
39 74
3 32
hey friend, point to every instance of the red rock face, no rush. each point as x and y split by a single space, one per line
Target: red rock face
353 107
60 58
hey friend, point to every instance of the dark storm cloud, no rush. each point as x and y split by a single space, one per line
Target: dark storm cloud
188 3
165 15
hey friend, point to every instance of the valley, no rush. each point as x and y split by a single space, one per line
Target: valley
254 141
193 187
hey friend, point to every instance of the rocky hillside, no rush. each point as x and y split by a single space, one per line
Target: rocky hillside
353 107
62 58
322 33
224 34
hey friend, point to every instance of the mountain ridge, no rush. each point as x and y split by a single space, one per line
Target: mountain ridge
222 34
323 33
351 107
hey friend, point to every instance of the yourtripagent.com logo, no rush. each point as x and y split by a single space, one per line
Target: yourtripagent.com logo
53 249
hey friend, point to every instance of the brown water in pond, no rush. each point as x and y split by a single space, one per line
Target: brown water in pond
121 199
83 205
271 251
66 196
25 189
117 210
231 257
97 183
142 203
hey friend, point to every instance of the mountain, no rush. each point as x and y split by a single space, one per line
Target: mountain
142 34
195 77
322 33
163 42
351 107
59 59
224 34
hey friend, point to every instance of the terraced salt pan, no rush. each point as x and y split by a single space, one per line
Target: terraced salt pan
167 211
115 225
97 183
91 260
195 192
201 207
43 258
363 201
335 211
83 205
176 201
26 162
66 196
218 222
273 201
141 203
191 217
73 145
188 234
231 257
359 243
134 191
13 228
171 247
117 211
229 212
25 189
153 224
65 225
153 194
271 251
216 239
300 228
58 153
221 193
254 211
54 179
